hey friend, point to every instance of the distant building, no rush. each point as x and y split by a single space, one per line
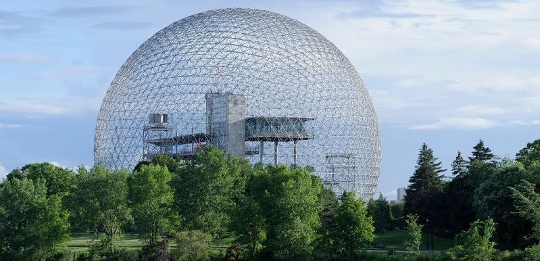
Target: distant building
401 194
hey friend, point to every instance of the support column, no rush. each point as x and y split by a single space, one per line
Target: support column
261 151
295 156
275 153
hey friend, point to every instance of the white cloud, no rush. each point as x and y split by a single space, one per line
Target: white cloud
5 125
481 110
457 123
389 195
525 123
3 172
533 43
36 107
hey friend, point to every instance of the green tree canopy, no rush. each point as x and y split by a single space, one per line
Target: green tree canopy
481 153
151 200
493 199
527 204
33 225
57 179
414 234
425 186
381 213
530 155
208 189
459 165
290 204
475 244
355 226
99 204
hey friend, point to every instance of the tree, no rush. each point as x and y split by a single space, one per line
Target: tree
414 234
475 244
355 226
425 186
530 155
33 225
527 204
192 245
493 199
249 224
288 199
208 188
151 200
99 204
481 153
381 213
59 181
459 165
329 230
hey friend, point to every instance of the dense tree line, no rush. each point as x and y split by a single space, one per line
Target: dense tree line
480 188
265 212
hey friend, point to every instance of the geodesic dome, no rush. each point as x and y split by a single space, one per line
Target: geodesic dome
254 83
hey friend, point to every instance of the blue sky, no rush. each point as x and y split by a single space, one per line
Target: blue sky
447 73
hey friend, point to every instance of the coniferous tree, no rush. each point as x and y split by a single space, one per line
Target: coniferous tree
424 192
481 152
459 165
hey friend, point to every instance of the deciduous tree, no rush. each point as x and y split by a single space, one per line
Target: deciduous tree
381 213
99 204
475 244
151 200
33 225
355 226
290 204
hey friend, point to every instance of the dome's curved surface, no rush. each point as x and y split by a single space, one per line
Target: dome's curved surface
281 69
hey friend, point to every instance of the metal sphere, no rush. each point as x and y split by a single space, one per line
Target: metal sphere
298 98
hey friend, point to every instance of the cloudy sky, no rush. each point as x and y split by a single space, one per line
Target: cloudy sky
444 72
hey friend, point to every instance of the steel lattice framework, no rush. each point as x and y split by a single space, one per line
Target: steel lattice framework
309 102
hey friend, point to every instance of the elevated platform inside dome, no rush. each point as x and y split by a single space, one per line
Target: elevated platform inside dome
277 129
182 139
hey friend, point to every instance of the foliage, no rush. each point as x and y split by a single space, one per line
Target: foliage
59 181
328 232
192 245
425 187
381 213
459 165
208 189
355 226
475 244
99 204
532 253
530 155
414 232
290 204
151 199
481 153
493 199
249 224
527 204
33 225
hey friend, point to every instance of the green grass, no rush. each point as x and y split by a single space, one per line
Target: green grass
393 240
82 242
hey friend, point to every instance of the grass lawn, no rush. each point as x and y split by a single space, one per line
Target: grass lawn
81 242
393 240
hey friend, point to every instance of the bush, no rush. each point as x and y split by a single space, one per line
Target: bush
192 245
532 253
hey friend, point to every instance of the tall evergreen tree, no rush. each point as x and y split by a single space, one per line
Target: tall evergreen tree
459 165
481 152
425 186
